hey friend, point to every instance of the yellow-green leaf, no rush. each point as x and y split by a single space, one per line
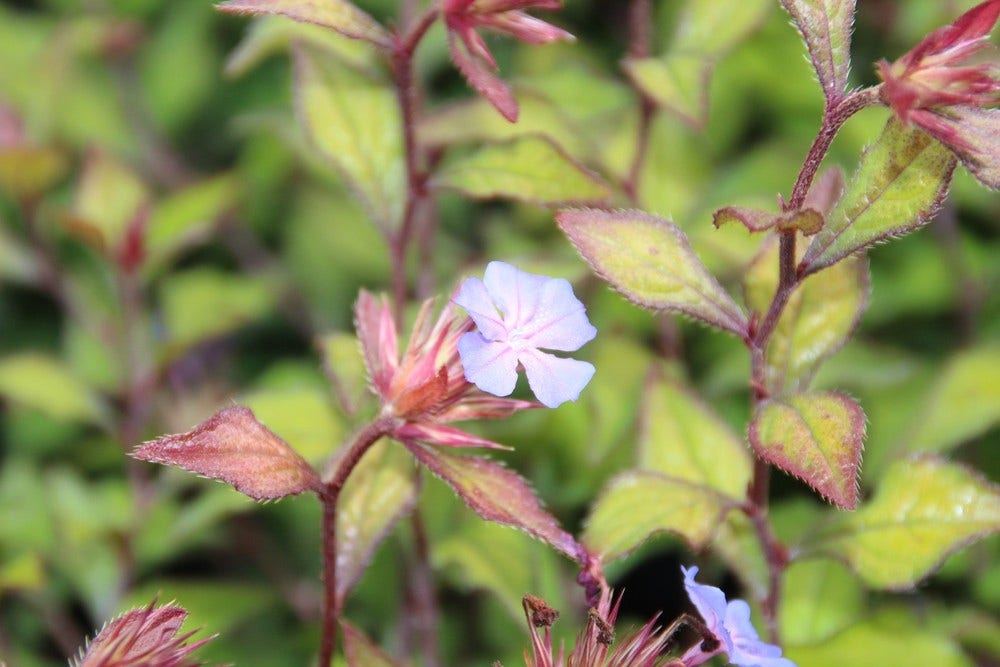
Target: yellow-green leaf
649 260
200 304
821 598
878 642
683 437
186 217
924 509
964 402
678 82
898 186
818 319
342 16
637 504
815 436
530 169
42 382
28 171
354 122
713 28
361 651
108 197
380 490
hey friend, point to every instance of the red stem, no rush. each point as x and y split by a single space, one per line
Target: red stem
337 475
407 95
789 277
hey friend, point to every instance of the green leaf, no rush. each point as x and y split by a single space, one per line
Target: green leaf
495 494
28 171
923 510
879 642
714 28
682 437
23 572
345 370
637 504
490 557
821 598
677 82
818 319
530 169
108 198
186 217
44 383
381 490
649 260
737 543
898 186
342 16
354 122
826 28
302 416
964 402
815 436
200 304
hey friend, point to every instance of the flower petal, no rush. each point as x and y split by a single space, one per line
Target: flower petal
515 292
559 321
748 649
555 380
711 605
474 297
491 366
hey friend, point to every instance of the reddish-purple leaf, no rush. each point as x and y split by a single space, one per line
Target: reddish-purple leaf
143 637
826 28
234 447
477 73
816 436
496 494
339 15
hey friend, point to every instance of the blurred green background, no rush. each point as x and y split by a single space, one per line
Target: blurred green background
255 248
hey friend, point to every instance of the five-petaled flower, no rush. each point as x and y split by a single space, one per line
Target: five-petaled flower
425 388
473 57
730 623
517 314
934 87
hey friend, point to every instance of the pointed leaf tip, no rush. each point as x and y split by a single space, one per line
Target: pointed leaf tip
816 436
232 446
826 26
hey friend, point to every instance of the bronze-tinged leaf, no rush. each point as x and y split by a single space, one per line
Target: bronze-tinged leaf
816 436
496 494
339 15
898 186
650 261
232 446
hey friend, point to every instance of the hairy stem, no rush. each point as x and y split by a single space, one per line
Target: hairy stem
408 96
756 507
640 17
334 479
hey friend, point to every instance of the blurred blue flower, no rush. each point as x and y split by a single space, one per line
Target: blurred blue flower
730 623
517 314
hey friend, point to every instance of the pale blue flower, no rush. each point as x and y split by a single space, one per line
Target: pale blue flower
517 314
730 623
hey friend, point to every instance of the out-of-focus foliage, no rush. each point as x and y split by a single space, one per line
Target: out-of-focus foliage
179 232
